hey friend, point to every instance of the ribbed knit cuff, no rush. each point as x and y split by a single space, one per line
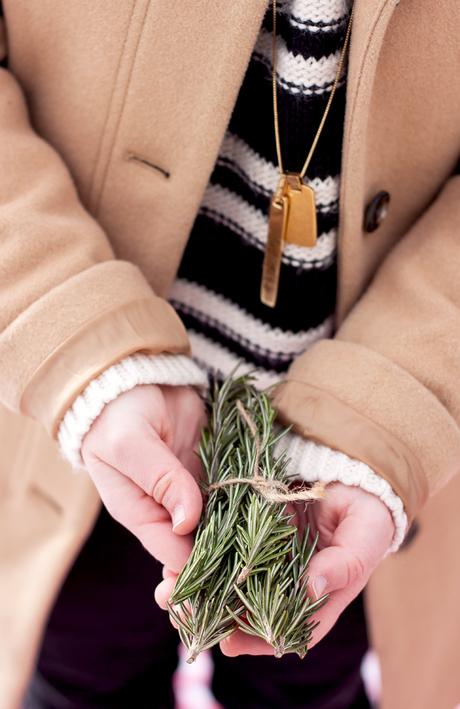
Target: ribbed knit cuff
176 370
312 461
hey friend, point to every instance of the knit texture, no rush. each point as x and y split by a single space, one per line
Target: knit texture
121 377
217 296
310 461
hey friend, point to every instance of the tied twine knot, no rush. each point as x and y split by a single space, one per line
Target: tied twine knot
271 490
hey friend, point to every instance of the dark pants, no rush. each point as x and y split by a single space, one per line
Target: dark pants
108 645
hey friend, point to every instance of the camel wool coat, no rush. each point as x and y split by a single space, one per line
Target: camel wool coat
111 117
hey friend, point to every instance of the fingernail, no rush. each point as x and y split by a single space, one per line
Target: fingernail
319 586
178 516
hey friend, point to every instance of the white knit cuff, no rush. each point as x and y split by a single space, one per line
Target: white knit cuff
312 461
176 370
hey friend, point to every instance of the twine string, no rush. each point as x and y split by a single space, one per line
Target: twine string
271 490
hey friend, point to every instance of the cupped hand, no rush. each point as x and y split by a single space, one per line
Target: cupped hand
140 453
355 530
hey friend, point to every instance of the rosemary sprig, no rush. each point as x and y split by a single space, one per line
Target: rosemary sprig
278 607
248 566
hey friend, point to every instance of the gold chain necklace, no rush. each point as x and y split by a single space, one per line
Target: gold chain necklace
292 216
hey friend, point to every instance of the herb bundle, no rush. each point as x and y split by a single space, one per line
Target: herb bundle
248 566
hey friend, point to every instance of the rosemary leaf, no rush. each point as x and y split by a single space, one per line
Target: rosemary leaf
248 567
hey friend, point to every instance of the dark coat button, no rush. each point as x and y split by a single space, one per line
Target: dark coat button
376 211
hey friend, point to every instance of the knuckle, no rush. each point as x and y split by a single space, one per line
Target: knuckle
356 570
163 486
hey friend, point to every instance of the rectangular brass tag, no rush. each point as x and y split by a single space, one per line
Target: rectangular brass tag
301 227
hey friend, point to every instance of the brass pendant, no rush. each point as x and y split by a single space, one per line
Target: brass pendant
277 221
292 219
301 226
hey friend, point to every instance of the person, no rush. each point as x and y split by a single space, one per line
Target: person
164 125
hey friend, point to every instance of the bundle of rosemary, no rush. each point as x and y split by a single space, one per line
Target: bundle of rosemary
248 566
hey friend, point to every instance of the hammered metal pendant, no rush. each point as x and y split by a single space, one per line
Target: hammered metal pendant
277 221
292 219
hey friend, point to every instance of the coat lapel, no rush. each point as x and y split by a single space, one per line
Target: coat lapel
180 73
371 18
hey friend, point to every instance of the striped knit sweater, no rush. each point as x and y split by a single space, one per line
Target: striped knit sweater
216 292
217 289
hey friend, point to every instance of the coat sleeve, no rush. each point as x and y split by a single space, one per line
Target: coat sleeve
386 389
68 308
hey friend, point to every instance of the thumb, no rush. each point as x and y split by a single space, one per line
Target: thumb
341 574
335 568
146 459
342 569
174 487
354 552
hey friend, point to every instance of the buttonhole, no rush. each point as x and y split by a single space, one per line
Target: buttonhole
148 163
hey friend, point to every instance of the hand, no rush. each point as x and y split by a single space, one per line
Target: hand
140 455
355 530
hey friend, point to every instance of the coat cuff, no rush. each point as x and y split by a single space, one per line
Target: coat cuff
76 331
355 400
138 369
310 462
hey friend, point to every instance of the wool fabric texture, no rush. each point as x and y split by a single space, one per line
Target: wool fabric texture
226 322
79 294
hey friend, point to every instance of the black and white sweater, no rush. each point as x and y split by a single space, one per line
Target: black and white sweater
216 292
217 289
